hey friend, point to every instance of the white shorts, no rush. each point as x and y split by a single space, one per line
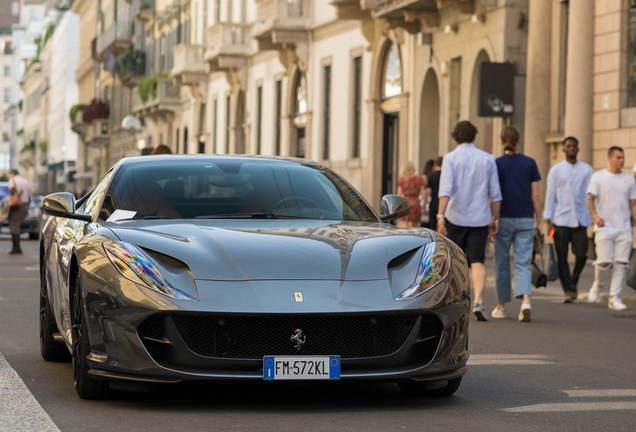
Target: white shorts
612 246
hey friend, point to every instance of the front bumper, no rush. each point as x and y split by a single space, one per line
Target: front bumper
431 346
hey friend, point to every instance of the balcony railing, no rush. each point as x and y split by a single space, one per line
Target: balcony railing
226 39
96 133
94 55
116 38
131 67
281 15
167 99
143 10
188 63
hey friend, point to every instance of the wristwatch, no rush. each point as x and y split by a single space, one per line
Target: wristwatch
440 216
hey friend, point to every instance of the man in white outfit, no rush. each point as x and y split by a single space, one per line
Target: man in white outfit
611 199
566 212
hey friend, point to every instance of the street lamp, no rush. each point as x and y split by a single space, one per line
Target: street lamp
132 124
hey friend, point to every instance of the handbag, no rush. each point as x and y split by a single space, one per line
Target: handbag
631 272
539 278
550 265
16 202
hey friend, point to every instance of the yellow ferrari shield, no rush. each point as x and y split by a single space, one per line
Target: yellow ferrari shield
298 296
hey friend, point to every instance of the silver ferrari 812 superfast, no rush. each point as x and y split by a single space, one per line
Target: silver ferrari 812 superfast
177 269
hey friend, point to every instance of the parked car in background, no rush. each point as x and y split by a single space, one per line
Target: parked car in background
31 224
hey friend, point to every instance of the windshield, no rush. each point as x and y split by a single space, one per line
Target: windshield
232 188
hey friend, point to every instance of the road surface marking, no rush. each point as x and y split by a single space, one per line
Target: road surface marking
508 359
19 411
19 279
601 393
573 406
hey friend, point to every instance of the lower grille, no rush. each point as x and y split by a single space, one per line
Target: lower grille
243 337
255 337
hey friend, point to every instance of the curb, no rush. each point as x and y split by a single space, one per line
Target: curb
604 298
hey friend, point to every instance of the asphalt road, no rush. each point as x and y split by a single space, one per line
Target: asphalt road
571 368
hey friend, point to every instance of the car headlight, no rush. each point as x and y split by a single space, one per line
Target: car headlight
135 265
434 269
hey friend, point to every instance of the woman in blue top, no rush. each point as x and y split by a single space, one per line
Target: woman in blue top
519 179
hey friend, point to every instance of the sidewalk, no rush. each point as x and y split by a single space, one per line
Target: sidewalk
628 295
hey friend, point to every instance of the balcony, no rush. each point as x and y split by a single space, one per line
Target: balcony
94 55
96 133
281 21
27 157
131 67
189 68
164 101
355 9
143 10
116 38
412 14
228 46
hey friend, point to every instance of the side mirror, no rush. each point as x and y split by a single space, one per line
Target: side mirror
62 204
393 207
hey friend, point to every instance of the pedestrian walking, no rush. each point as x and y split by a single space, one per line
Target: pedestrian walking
469 204
20 187
424 198
611 199
519 180
432 192
410 186
567 214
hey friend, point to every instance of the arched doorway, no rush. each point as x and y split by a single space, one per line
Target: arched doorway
484 139
429 119
299 115
391 90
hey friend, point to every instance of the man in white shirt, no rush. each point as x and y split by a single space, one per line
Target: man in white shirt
566 212
468 182
611 200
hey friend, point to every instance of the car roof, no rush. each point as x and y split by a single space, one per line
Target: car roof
182 158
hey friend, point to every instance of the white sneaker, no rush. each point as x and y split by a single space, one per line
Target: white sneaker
615 303
498 313
592 296
524 314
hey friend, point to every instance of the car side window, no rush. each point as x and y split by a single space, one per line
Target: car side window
92 204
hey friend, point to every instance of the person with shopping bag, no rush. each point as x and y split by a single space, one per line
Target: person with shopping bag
611 199
567 214
19 208
519 180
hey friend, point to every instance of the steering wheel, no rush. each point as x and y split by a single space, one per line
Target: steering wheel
297 200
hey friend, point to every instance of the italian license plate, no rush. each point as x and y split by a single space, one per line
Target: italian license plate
301 367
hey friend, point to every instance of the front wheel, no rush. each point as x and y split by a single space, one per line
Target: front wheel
415 389
86 387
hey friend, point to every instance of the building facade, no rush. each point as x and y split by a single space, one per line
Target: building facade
6 59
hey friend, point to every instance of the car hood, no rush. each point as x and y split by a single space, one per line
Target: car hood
239 250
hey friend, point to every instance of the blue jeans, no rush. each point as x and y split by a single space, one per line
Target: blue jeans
518 232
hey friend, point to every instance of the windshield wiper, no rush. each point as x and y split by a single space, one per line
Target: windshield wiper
248 216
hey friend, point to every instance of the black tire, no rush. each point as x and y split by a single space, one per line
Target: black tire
86 387
413 389
50 349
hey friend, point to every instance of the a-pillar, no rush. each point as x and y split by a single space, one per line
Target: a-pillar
579 98
537 116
